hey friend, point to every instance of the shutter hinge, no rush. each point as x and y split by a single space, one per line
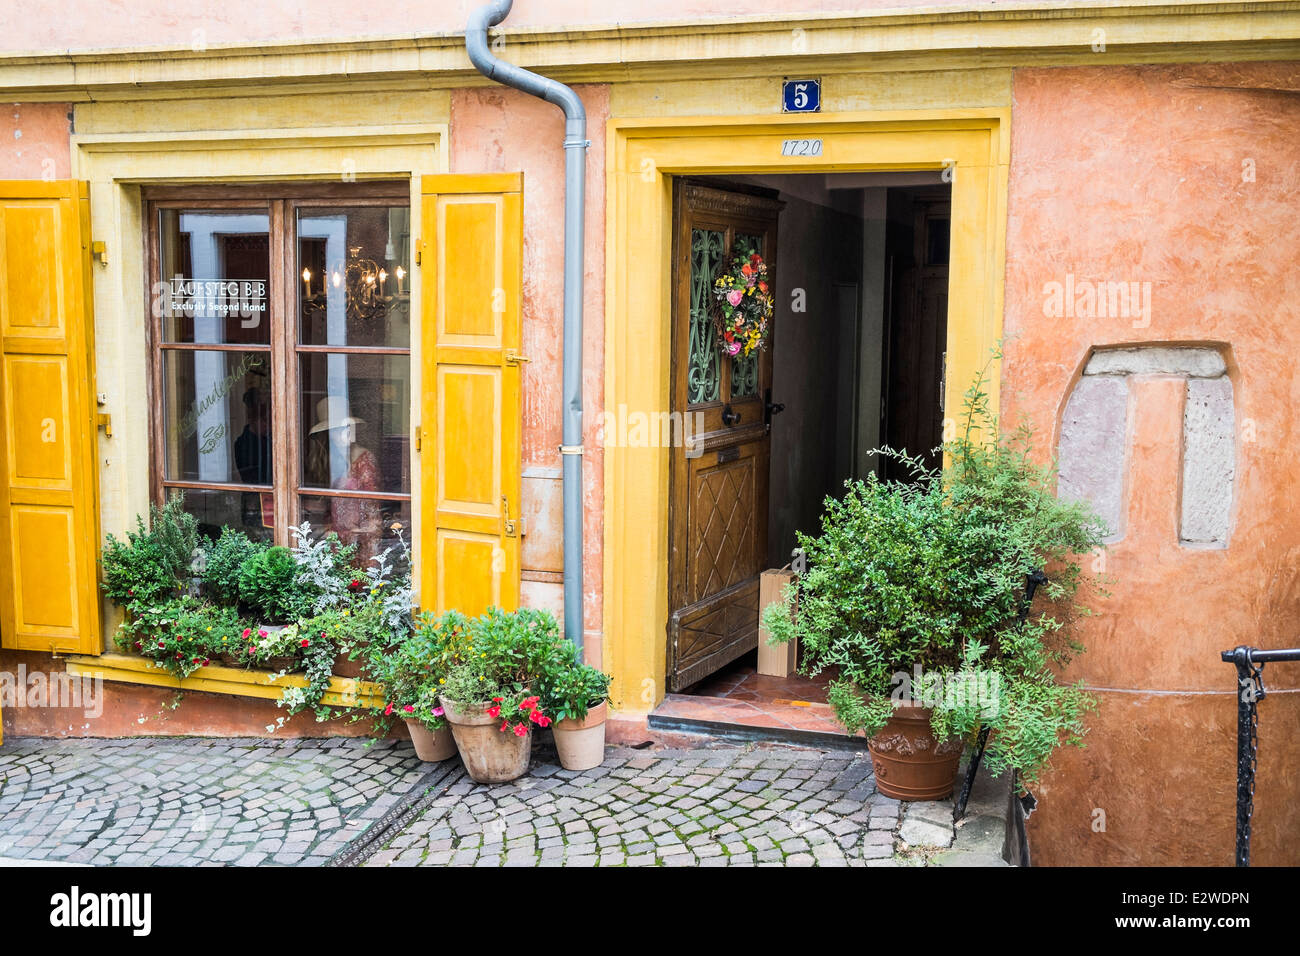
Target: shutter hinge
417 437
99 252
419 250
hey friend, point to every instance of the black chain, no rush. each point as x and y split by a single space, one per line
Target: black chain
1250 691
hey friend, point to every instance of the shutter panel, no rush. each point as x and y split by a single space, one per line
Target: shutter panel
470 460
49 529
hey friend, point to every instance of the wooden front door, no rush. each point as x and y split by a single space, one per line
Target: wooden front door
717 520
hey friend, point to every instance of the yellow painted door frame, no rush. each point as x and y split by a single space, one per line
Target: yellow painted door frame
642 156
49 515
471 262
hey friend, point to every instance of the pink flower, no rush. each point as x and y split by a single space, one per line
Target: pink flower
735 297
438 712
733 348
261 633
247 631
409 708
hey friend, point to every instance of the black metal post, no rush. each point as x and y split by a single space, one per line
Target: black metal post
1250 663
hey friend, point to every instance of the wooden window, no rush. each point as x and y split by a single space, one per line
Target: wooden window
280 346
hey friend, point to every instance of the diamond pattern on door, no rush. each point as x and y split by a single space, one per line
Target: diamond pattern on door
723 511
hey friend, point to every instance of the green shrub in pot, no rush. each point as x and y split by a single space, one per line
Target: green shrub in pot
916 591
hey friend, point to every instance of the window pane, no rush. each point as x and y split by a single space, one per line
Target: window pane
216 276
251 512
217 416
365 522
353 276
356 421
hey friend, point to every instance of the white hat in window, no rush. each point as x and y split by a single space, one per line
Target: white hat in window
333 412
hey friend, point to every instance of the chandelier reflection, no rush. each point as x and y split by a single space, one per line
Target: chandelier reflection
369 291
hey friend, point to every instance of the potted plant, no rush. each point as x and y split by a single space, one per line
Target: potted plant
915 595
575 696
412 671
487 695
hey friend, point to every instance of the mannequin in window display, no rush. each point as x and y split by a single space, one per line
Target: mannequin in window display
336 453
253 459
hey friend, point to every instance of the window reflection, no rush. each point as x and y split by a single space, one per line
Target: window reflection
354 283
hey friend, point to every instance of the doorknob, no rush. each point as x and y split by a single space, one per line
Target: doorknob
770 408
730 418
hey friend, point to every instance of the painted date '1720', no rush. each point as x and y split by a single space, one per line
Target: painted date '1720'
801 147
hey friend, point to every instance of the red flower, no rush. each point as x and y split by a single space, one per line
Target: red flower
305 642
494 710
207 661
536 716
505 725
543 721
496 700
162 643
247 631
521 730
409 708
388 711
252 650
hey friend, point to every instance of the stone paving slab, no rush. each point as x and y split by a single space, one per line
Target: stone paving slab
719 805
196 801
247 802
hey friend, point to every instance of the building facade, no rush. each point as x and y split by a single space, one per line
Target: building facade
1118 187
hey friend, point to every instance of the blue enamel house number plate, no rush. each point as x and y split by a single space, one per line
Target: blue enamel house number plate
801 96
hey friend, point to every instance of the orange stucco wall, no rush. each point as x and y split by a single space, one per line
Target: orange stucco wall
199 24
35 138
1187 178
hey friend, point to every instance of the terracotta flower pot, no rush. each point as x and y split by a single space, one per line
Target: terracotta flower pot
910 764
581 743
431 746
490 755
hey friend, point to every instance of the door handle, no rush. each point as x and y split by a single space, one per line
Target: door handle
770 408
510 529
730 418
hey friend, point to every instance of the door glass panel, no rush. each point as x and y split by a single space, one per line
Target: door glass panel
353 276
703 370
217 416
356 421
215 282
744 369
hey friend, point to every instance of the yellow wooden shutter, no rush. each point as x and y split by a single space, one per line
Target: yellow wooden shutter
49 529
471 262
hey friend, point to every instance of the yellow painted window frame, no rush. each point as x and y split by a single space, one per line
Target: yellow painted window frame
642 157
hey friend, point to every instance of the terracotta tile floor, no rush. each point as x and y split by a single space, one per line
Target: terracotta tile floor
738 694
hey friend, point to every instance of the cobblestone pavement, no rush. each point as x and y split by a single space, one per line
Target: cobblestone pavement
716 806
244 802
196 801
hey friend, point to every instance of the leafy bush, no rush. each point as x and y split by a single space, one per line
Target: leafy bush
268 585
325 577
152 562
224 558
928 580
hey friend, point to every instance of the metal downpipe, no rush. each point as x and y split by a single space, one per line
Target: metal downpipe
575 176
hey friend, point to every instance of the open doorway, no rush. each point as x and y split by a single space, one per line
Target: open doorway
859 268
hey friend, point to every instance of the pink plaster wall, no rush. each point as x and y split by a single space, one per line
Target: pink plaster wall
495 129
1143 174
63 24
34 141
